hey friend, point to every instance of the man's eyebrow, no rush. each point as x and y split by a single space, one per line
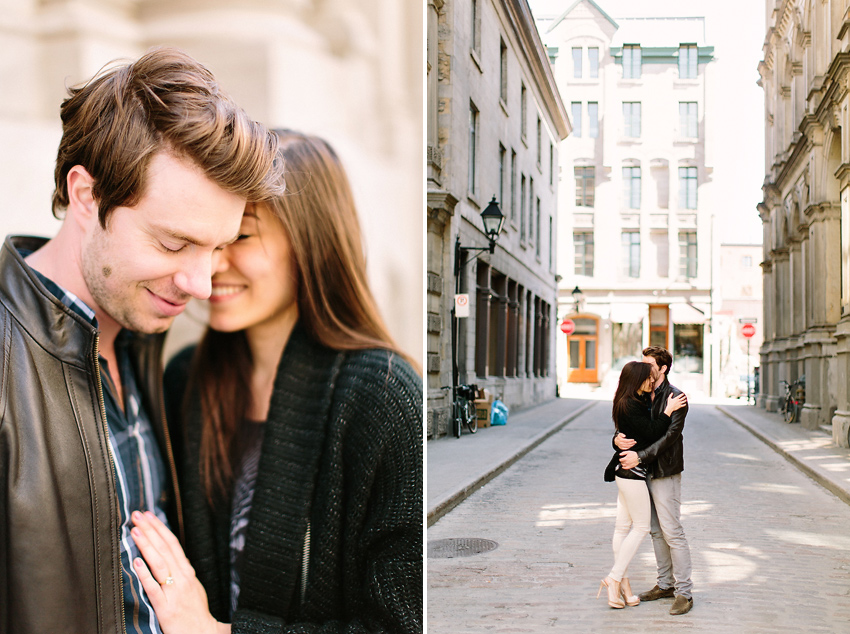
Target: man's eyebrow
181 237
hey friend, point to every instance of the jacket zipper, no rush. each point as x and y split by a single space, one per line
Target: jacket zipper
112 460
305 564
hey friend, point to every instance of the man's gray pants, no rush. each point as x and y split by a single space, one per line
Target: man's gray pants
672 555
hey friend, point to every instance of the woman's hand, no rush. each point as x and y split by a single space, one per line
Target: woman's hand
675 402
177 597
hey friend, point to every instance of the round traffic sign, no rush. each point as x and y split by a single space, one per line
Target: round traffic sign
568 326
748 330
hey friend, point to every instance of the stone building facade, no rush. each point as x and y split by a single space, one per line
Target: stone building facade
350 72
805 212
636 203
495 120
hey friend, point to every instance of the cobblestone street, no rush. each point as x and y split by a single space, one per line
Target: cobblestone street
770 547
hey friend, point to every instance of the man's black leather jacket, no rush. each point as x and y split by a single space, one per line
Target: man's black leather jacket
59 517
665 457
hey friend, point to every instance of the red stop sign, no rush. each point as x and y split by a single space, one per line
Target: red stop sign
568 326
748 330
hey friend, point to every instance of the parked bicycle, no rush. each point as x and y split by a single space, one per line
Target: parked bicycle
792 401
463 409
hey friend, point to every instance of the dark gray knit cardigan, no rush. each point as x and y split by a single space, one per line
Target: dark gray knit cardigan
338 496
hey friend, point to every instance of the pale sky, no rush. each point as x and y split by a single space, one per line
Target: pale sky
736 29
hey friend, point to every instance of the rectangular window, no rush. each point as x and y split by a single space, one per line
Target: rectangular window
687 188
631 119
631 61
593 58
583 244
575 107
503 71
502 154
746 261
522 219
475 38
551 244
473 132
688 122
688 61
539 142
593 119
513 186
631 253
688 254
537 230
551 163
530 208
631 187
522 110
577 63
585 186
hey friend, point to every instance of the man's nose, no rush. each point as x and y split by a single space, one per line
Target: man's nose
195 277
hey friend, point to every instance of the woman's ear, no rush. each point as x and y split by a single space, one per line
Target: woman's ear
81 203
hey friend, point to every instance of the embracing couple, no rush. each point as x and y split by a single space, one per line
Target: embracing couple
649 416
271 479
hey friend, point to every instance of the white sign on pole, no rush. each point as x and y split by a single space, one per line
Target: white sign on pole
462 305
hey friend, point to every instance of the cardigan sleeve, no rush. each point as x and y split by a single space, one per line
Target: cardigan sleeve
382 553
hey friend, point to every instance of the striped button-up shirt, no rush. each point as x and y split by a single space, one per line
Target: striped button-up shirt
140 474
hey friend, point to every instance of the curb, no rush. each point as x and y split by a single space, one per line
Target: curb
815 475
451 501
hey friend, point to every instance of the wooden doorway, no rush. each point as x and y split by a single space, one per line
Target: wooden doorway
583 350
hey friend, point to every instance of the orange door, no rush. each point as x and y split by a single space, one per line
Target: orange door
583 350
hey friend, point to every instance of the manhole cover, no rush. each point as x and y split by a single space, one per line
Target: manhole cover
459 547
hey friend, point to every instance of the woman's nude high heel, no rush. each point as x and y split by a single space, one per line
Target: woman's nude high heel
614 599
626 592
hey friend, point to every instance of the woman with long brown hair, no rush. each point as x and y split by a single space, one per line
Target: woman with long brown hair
302 432
632 417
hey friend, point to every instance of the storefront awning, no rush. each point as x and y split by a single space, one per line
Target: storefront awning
687 314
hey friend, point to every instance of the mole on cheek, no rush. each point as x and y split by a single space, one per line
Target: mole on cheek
107 271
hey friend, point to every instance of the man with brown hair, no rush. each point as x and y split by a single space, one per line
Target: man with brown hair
153 172
664 461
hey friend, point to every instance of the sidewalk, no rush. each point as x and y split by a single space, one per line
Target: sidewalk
456 467
811 451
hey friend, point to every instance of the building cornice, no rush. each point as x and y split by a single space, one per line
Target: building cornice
522 22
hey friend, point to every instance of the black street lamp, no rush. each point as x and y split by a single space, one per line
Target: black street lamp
577 297
493 219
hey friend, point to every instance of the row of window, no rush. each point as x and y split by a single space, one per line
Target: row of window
585 177
525 210
688 61
688 119
630 240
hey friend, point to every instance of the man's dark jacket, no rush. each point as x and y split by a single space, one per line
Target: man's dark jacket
665 457
60 567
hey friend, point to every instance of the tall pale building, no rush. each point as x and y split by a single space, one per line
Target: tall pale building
635 204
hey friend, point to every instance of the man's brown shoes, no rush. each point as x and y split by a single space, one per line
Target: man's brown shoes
657 593
682 605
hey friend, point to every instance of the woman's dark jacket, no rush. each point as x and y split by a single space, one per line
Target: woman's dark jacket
637 423
338 496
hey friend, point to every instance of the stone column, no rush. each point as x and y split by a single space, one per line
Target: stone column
439 301
824 282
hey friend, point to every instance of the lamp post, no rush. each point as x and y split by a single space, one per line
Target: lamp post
577 297
493 219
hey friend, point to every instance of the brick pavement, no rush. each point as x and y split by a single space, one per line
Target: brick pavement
459 466
770 547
